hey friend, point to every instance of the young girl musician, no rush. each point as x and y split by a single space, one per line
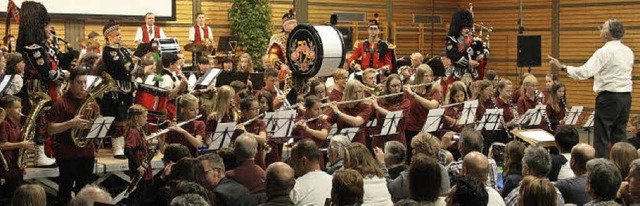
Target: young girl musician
504 89
223 110
190 134
392 85
484 95
252 126
311 125
557 105
11 141
456 95
137 149
529 98
422 100
352 114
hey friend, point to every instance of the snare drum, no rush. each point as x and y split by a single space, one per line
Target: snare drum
315 50
153 98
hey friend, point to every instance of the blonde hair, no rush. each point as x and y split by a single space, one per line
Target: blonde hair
350 89
134 111
249 65
425 143
339 73
420 71
358 157
30 195
368 71
184 101
536 191
621 155
526 82
221 104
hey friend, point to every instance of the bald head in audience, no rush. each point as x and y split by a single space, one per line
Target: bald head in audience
89 195
246 148
280 179
476 165
580 155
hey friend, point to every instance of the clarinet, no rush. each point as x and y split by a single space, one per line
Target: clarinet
544 115
146 163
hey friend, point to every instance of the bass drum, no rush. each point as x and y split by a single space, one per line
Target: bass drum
315 50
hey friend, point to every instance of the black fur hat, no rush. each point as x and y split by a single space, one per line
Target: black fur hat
461 18
33 18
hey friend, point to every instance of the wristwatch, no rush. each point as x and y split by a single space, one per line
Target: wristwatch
563 68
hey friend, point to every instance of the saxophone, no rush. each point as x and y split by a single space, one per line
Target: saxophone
38 100
87 110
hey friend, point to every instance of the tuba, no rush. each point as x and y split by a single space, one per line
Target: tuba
39 101
87 109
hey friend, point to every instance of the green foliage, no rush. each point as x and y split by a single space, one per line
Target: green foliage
251 25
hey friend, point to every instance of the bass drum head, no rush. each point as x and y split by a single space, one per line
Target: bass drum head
314 50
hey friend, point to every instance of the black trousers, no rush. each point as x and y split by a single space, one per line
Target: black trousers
78 170
610 120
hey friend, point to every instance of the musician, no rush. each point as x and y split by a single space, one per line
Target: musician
318 89
457 94
203 66
464 51
422 100
370 81
270 84
148 31
352 114
266 63
256 128
311 125
529 98
9 42
278 46
557 105
245 64
148 64
137 150
485 96
190 134
241 90
549 80
504 89
416 60
15 66
223 110
374 52
11 141
266 102
118 63
227 64
340 81
200 33
172 80
90 45
392 85
517 92
42 72
74 163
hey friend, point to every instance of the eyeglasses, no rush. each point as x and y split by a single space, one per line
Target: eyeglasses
254 108
374 28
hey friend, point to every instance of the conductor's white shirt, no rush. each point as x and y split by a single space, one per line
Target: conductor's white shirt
610 66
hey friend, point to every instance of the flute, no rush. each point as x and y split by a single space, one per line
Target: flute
363 99
180 124
245 123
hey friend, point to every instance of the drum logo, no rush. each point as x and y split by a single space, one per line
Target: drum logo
303 55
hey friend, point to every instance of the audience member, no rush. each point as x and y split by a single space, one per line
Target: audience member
186 187
89 195
336 153
573 189
247 173
471 140
358 157
467 191
394 158
512 169
29 195
227 191
566 138
621 155
190 170
347 188
476 165
537 191
630 192
313 186
603 181
189 200
423 170
536 162
280 180
172 154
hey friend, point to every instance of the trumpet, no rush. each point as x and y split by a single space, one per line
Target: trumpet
285 102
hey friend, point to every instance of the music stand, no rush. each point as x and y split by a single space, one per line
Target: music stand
469 112
373 123
208 78
588 124
349 132
390 124
526 117
284 122
490 120
540 111
225 78
5 80
433 121
573 115
222 136
100 127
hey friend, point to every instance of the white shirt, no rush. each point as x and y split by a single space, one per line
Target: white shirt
312 188
151 34
495 199
168 83
565 169
192 33
15 85
376 192
610 66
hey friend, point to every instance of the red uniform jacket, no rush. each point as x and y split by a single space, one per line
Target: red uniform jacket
369 55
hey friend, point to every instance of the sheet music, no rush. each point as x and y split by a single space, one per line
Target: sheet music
469 112
222 136
573 115
538 135
269 118
91 82
333 130
373 123
589 122
434 118
526 117
390 125
6 79
100 127
150 80
284 123
490 120
539 113
349 132
208 78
